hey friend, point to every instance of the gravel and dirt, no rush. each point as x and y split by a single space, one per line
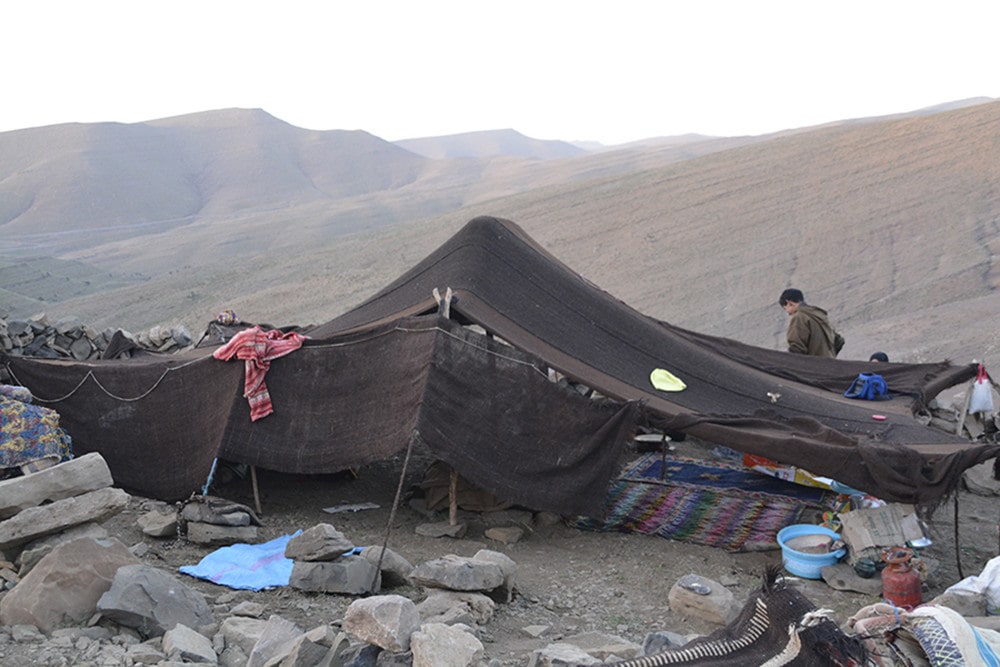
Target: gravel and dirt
569 580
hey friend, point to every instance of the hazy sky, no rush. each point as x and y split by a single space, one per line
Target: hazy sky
576 70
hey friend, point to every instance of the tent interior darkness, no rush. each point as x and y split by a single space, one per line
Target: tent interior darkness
472 379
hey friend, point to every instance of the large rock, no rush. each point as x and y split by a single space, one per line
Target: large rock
159 521
694 595
278 632
211 534
603 646
966 602
349 575
182 644
395 569
458 573
319 646
505 591
451 607
322 542
386 621
979 480
439 645
153 601
64 587
35 551
65 480
242 632
217 511
35 522
561 654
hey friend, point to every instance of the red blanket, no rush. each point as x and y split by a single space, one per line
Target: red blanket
257 348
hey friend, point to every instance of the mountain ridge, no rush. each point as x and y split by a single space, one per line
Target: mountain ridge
891 224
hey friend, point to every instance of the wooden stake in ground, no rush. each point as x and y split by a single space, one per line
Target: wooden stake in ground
256 493
453 499
965 409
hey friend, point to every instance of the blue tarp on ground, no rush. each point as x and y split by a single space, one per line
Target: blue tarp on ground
251 567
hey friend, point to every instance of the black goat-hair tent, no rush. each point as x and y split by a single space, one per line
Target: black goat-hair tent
393 368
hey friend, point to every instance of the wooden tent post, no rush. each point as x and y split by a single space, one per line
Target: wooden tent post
958 551
392 512
663 454
965 409
444 308
256 493
453 499
444 304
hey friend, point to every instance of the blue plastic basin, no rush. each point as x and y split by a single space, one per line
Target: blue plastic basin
800 563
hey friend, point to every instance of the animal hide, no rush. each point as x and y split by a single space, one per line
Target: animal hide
777 626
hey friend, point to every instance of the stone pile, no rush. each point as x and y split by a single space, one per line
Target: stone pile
459 598
84 597
325 561
42 512
146 615
215 521
69 338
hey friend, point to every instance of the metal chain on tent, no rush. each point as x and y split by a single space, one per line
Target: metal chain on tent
392 512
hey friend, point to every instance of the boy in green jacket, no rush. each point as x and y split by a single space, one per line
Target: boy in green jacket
809 328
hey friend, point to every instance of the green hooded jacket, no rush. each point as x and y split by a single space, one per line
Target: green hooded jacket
810 332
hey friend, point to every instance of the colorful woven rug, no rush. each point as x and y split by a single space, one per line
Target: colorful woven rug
715 504
30 433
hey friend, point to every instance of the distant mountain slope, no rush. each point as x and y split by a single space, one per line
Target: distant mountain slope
891 224
213 185
28 286
490 143
105 177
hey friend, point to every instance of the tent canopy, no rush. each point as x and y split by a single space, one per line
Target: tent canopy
394 369
505 282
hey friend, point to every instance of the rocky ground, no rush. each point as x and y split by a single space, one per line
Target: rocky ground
569 581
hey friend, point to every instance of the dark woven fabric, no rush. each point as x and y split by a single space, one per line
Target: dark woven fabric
515 289
485 408
390 370
157 419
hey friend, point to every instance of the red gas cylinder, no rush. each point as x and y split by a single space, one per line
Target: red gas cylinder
901 585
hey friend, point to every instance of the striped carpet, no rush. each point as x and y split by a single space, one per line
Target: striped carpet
711 503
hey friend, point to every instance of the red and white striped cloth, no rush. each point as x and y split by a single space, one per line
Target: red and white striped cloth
257 348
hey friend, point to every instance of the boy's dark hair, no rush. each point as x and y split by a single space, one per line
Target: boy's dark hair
879 356
791 294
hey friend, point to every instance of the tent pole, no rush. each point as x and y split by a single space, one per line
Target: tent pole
444 304
453 498
663 455
965 409
211 474
256 493
958 552
392 512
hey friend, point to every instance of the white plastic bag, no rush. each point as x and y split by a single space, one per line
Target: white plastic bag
981 399
986 583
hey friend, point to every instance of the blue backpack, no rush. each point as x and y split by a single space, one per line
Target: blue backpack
868 386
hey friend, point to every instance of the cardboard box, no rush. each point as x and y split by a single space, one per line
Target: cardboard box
870 530
788 473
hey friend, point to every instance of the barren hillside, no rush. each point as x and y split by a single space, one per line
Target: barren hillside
891 224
